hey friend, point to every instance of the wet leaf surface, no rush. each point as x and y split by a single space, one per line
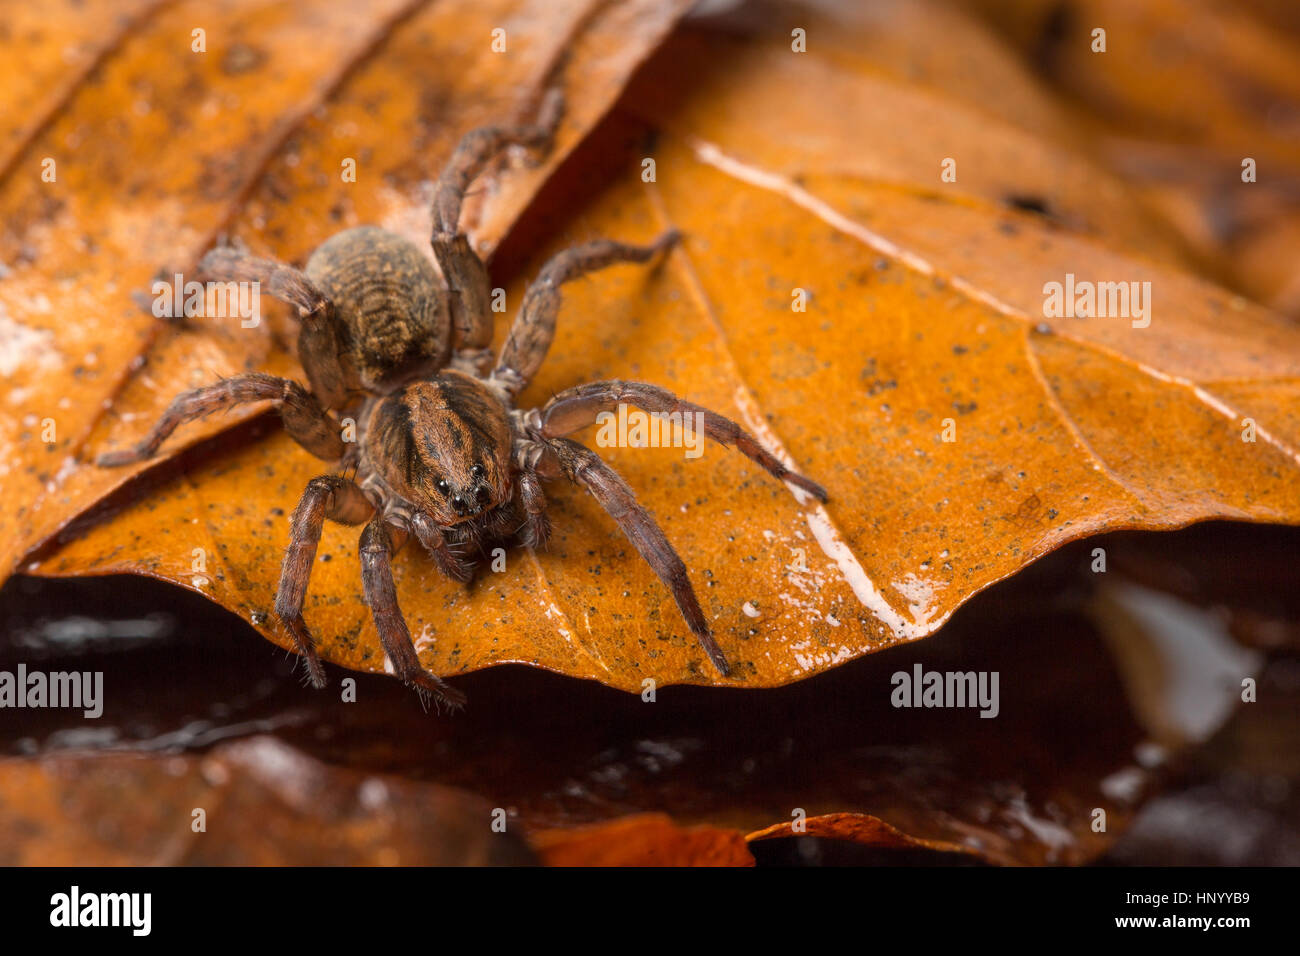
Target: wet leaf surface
925 306
255 802
1184 94
1236 802
158 150
924 319
644 840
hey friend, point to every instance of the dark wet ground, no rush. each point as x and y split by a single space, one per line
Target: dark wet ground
183 676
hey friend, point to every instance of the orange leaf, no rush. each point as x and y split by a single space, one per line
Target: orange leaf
161 148
645 840
254 802
925 321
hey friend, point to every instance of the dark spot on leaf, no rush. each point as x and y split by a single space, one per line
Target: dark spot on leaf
1027 203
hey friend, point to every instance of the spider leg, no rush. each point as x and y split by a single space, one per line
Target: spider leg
448 561
536 529
379 541
306 422
463 270
318 345
579 407
332 498
227 264
583 466
534 328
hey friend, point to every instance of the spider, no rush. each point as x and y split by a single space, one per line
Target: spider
441 452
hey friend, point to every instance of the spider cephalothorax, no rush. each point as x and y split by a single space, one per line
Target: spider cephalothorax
441 453
442 444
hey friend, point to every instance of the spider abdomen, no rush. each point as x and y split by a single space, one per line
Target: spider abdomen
390 308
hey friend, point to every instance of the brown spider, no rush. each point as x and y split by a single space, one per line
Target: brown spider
441 452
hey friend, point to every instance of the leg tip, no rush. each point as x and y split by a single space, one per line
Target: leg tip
552 108
715 653
808 485
316 674
116 459
669 239
462 572
442 694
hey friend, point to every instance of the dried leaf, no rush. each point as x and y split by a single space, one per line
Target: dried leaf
1185 95
925 318
255 802
645 840
160 149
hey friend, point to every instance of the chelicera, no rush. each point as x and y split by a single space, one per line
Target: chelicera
441 451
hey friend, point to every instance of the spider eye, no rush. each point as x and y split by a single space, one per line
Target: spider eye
477 471
442 486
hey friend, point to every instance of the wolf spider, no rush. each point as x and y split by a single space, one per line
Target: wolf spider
441 452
